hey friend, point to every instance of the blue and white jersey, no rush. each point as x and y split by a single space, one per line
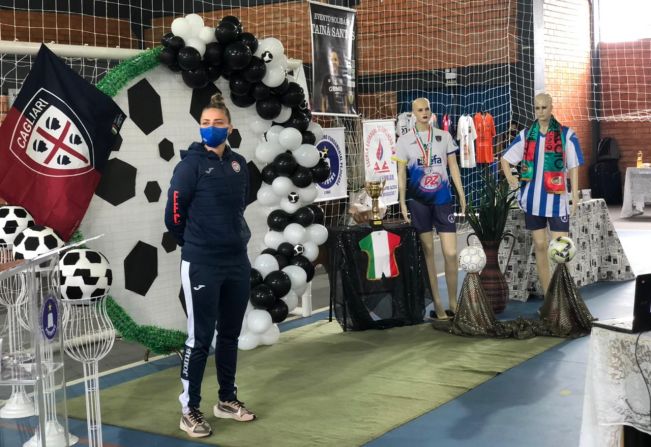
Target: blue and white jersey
532 196
427 176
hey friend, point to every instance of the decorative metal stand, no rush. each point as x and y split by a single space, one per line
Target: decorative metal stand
89 335
13 296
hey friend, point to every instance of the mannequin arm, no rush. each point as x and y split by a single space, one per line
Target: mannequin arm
574 178
456 179
402 190
506 169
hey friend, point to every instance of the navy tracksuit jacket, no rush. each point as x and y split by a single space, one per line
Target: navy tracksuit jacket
205 213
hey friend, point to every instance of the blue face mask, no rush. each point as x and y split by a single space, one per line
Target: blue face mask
213 136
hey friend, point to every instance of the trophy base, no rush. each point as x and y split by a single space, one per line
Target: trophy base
376 224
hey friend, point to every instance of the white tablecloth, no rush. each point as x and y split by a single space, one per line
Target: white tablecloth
600 256
615 392
637 190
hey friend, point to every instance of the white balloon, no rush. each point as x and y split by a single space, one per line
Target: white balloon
279 61
308 194
181 27
271 44
266 210
317 233
310 250
291 299
294 233
284 115
197 44
248 341
282 186
273 239
258 321
266 196
273 133
206 34
271 336
316 129
288 206
300 290
307 155
259 125
290 138
195 21
274 76
265 264
297 276
266 152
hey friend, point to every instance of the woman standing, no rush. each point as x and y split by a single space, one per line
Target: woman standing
205 213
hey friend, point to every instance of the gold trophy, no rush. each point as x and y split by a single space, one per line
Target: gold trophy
374 189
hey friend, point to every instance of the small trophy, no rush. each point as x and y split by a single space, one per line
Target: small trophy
374 189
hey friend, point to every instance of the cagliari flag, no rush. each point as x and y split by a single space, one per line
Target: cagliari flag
380 248
55 142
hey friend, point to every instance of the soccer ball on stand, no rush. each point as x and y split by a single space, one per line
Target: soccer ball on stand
472 259
561 249
13 220
84 274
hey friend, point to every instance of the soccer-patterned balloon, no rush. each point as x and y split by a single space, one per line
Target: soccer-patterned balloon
34 241
472 259
561 249
13 220
84 274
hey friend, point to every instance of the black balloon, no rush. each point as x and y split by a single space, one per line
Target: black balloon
234 20
249 40
285 164
269 174
293 96
239 85
286 249
277 220
226 32
167 57
269 108
262 296
174 67
303 216
213 72
299 120
269 251
165 40
279 283
176 43
319 215
321 171
278 311
188 58
281 89
260 91
302 177
308 137
256 278
237 55
255 71
227 71
195 78
213 53
242 100
303 263
282 260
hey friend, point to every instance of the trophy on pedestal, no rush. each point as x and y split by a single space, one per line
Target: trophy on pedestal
374 189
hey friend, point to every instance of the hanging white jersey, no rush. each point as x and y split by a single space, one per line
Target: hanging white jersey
466 134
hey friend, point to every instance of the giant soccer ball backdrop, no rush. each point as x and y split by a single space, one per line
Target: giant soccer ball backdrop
561 249
34 241
472 259
13 220
84 274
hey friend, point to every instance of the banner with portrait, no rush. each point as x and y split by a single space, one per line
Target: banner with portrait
333 149
333 60
379 146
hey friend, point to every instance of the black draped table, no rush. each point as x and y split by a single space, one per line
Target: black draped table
363 299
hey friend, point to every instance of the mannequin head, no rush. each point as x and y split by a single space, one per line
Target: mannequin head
420 109
543 108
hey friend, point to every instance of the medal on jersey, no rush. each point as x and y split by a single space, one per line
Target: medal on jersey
427 160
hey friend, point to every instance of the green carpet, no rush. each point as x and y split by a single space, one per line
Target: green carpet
319 386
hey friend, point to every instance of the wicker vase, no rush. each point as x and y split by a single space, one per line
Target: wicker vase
492 278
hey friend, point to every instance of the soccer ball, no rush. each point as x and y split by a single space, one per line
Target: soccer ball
561 249
84 274
34 241
13 220
292 197
298 249
472 259
267 57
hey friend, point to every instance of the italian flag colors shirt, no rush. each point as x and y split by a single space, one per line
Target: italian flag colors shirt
380 247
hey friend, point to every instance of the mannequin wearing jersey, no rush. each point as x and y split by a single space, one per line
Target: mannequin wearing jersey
424 155
547 154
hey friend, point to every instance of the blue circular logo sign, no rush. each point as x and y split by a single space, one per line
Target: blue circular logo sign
50 317
330 153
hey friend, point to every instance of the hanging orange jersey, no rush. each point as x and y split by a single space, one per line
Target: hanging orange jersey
485 127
